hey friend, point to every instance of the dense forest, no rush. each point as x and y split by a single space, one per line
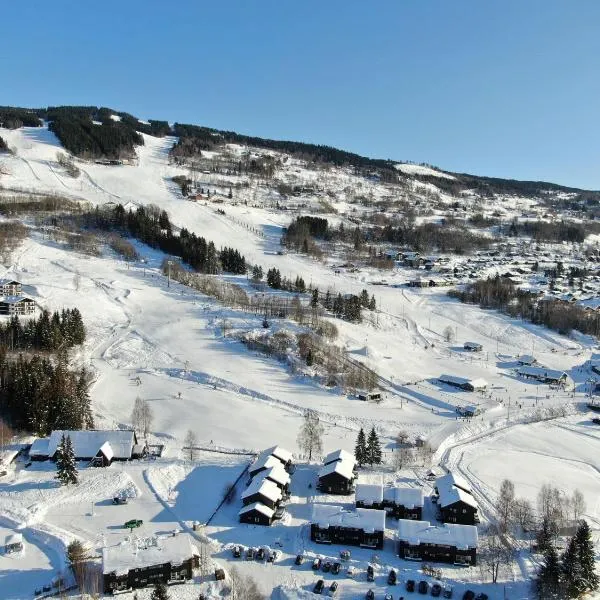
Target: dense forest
13 118
39 394
500 293
560 231
152 226
49 332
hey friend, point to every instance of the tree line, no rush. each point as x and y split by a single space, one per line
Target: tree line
368 450
48 332
500 293
561 231
13 118
39 394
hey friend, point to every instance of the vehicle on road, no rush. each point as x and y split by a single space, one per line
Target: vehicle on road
410 585
370 595
423 587
350 571
333 588
469 595
299 559
319 587
260 555
316 564
237 551
436 590
447 591
370 573
392 577
250 552
336 568
326 566
133 523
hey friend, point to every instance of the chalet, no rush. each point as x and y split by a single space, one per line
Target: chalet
455 500
138 563
281 454
263 491
99 447
332 524
262 463
338 473
10 287
455 544
369 495
403 502
279 476
13 543
16 305
468 411
472 347
340 456
595 366
256 514
412 259
469 385
526 359
543 375
366 396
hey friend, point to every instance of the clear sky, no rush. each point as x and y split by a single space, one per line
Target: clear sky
506 88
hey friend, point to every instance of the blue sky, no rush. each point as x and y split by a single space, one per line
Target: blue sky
506 89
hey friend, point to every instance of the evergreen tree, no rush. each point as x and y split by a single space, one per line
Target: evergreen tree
327 303
159 592
372 303
360 450
571 569
364 299
66 469
548 583
314 301
373 448
546 534
586 557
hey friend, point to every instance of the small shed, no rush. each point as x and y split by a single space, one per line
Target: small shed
472 347
13 543
104 456
365 396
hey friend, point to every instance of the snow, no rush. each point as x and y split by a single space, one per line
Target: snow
369 493
453 488
262 487
277 475
404 496
330 515
282 454
107 450
264 461
86 444
411 169
462 537
541 373
136 554
343 468
259 507
339 455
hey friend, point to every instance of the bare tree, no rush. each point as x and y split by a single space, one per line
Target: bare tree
523 514
311 434
77 281
147 418
402 437
142 416
495 554
403 457
449 334
577 505
189 444
505 504
243 587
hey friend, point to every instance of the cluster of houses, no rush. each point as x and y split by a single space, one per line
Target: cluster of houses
268 487
12 300
454 541
98 447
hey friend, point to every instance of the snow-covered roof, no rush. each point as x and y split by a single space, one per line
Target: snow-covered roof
9 282
15 299
542 372
136 554
277 474
39 447
87 443
107 450
526 359
331 515
259 507
479 383
345 469
453 488
264 487
282 454
476 384
339 455
13 538
472 345
448 534
369 493
264 461
404 496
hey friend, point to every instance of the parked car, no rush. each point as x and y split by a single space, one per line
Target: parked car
345 554
337 566
120 500
260 555
370 595
447 591
350 571
436 590
423 587
319 586
410 585
469 595
250 552
273 555
316 564
133 523
326 566
333 588
237 551
370 573
481 596
392 577
299 559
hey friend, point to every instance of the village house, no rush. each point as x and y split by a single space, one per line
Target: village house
472 347
16 305
469 385
526 359
13 543
279 476
256 514
284 456
543 375
397 502
331 524
455 500
138 563
99 447
338 473
10 287
262 491
454 544
263 463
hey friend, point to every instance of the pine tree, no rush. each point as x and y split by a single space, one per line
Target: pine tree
360 450
586 557
66 469
60 461
372 303
571 570
373 448
159 592
546 535
548 582
314 301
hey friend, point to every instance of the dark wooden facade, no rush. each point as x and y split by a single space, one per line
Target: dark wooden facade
256 517
335 483
346 536
460 512
438 553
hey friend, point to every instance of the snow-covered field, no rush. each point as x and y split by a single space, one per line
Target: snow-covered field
235 399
